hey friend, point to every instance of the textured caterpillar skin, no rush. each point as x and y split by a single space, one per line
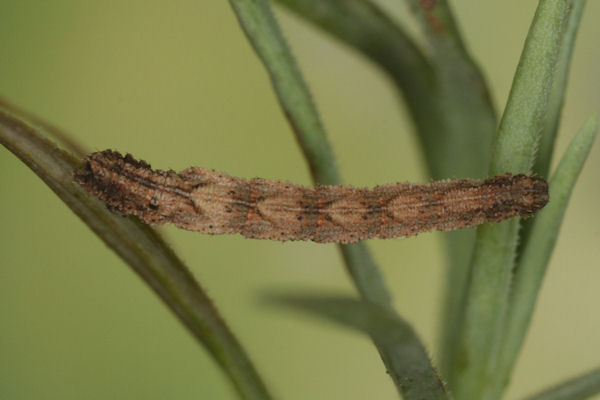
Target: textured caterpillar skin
213 202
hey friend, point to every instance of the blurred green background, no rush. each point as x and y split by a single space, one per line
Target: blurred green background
177 84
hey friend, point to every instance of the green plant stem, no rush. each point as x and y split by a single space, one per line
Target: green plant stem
140 247
264 34
365 273
494 253
262 30
534 260
579 388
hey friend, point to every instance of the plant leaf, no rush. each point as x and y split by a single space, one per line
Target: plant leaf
494 253
545 150
140 247
262 30
407 361
579 388
536 255
366 28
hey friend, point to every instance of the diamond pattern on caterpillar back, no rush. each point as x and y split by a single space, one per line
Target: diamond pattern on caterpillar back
213 202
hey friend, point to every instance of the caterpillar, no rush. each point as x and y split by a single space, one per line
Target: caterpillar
212 202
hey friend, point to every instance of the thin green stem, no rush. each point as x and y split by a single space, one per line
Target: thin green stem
536 255
494 253
264 34
465 144
140 247
438 22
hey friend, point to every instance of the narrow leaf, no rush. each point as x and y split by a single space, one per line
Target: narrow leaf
140 247
494 253
536 255
579 388
263 32
407 361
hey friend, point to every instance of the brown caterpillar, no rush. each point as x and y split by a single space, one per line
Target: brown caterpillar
213 202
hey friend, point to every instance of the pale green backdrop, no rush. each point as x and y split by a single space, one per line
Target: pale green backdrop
177 84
